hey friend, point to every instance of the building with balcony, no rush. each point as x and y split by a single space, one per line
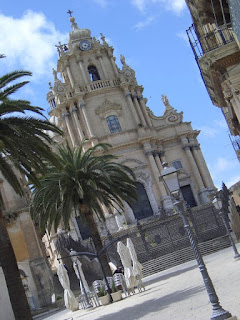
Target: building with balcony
214 38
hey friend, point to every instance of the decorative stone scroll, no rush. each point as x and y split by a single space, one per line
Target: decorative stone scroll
127 73
108 106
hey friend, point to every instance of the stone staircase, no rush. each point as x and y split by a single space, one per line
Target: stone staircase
180 256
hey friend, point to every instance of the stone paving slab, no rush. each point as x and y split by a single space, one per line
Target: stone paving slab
174 294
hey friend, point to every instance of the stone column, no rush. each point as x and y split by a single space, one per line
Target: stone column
144 110
77 123
66 64
82 71
165 198
82 106
158 161
99 57
138 109
194 166
197 153
113 63
132 108
69 128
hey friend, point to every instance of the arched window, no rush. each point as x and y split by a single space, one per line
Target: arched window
94 75
113 124
177 164
141 207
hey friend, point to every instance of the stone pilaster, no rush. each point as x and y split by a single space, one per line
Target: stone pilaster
82 72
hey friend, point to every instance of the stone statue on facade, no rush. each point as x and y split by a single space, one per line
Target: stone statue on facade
165 100
127 73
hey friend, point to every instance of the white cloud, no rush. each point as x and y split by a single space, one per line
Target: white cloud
183 35
102 3
144 23
223 169
232 180
140 4
222 164
221 124
176 6
29 42
208 131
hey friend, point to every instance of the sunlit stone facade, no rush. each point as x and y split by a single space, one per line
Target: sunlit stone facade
93 98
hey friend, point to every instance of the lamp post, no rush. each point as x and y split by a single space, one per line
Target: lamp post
169 175
217 201
74 257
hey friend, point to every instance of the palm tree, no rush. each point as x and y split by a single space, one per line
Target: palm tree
85 181
25 146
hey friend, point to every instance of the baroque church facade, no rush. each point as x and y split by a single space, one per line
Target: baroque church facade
93 99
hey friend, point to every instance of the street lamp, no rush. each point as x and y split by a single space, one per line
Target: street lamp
217 201
169 175
74 257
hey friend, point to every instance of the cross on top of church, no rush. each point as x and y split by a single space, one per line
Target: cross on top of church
70 12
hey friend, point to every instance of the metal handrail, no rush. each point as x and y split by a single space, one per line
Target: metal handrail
208 41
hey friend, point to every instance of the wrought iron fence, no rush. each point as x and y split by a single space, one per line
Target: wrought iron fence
161 236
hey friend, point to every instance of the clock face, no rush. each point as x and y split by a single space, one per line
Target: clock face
85 45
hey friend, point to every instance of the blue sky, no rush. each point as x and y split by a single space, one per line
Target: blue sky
149 33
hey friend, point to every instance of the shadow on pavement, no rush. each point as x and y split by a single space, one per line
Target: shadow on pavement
151 306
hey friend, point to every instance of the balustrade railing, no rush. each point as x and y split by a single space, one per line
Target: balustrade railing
95 85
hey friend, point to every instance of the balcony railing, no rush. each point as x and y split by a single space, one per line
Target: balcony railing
209 40
93 86
236 144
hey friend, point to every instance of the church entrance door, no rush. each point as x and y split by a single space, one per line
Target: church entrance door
141 207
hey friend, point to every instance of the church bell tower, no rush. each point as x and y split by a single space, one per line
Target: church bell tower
93 99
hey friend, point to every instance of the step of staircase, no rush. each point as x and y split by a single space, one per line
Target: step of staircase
180 256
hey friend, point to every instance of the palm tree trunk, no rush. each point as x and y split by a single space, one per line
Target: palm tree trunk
96 239
9 265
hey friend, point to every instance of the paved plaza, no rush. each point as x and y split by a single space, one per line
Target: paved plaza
174 294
